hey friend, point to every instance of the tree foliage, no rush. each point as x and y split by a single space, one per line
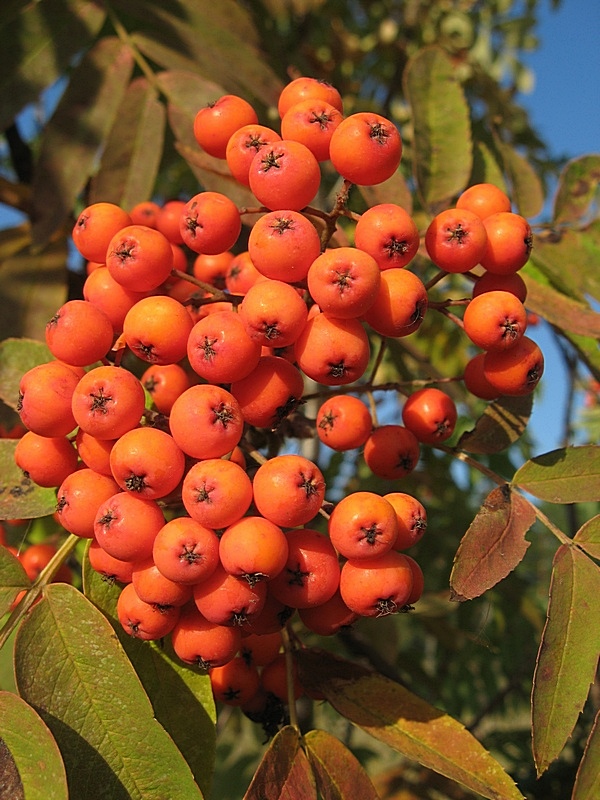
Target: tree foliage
489 688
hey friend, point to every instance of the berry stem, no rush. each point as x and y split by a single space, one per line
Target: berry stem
289 672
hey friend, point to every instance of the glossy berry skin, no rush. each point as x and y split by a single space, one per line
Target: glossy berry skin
363 525
366 148
376 587
495 320
430 414
216 122
509 243
284 175
456 240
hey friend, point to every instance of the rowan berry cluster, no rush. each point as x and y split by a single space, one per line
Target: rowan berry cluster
216 544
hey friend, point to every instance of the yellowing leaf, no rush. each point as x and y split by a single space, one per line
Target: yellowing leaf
501 424
284 772
566 475
33 749
588 536
568 654
442 129
587 782
493 545
526 188
405 722
561 310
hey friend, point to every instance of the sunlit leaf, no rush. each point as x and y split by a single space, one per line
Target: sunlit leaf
170 684
71 667
20 497
33 749
588 351
526 189
284 772
577 189
568 654
405 722
13 579
560 310
501 424
30 56
580 250
493 545
17 356
32 287
72 138
133 151
442 129
338 773
588 536
566 475
587 781
486 168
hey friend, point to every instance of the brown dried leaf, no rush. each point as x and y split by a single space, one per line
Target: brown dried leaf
501 424
338 772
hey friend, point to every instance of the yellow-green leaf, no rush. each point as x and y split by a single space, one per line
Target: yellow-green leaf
71 667
588 536
493 545
34 750
561 310
17 356
526 191
20 497
568 653
442 129
587 782
405 722
577 189
566 475
13 579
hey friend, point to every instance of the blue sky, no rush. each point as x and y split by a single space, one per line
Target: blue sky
564 107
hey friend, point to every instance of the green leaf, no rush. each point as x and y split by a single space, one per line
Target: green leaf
38 42
501 424
587 349
338 772
17 356
170 684
526 188
580 250
566 475
486 168
284 772
587 781
33 286
577 189
405 722
20 497
560 310
71 667
394 190
493 545
13 579
588 536
33 749
78 128
442 130
568 653
133 150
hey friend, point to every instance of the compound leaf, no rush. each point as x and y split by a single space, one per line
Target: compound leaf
568 654
284 772
493 545
566 475
71 668
33 749
338 773
405 722
501 424
442 129
76 131
133 150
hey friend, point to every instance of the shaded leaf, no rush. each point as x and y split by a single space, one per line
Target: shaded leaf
588 536
442 129
577 189
214 176
38 43
566 475
133 150
33 286
170 684
17 356
501 424
526 190
14 240
73 136
33 749
493 545
580 250
71 667
284 772
394 190
405 722
13 579
10 782
20 497
587 349
338 773
486 168
587 781
568 653
560 310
